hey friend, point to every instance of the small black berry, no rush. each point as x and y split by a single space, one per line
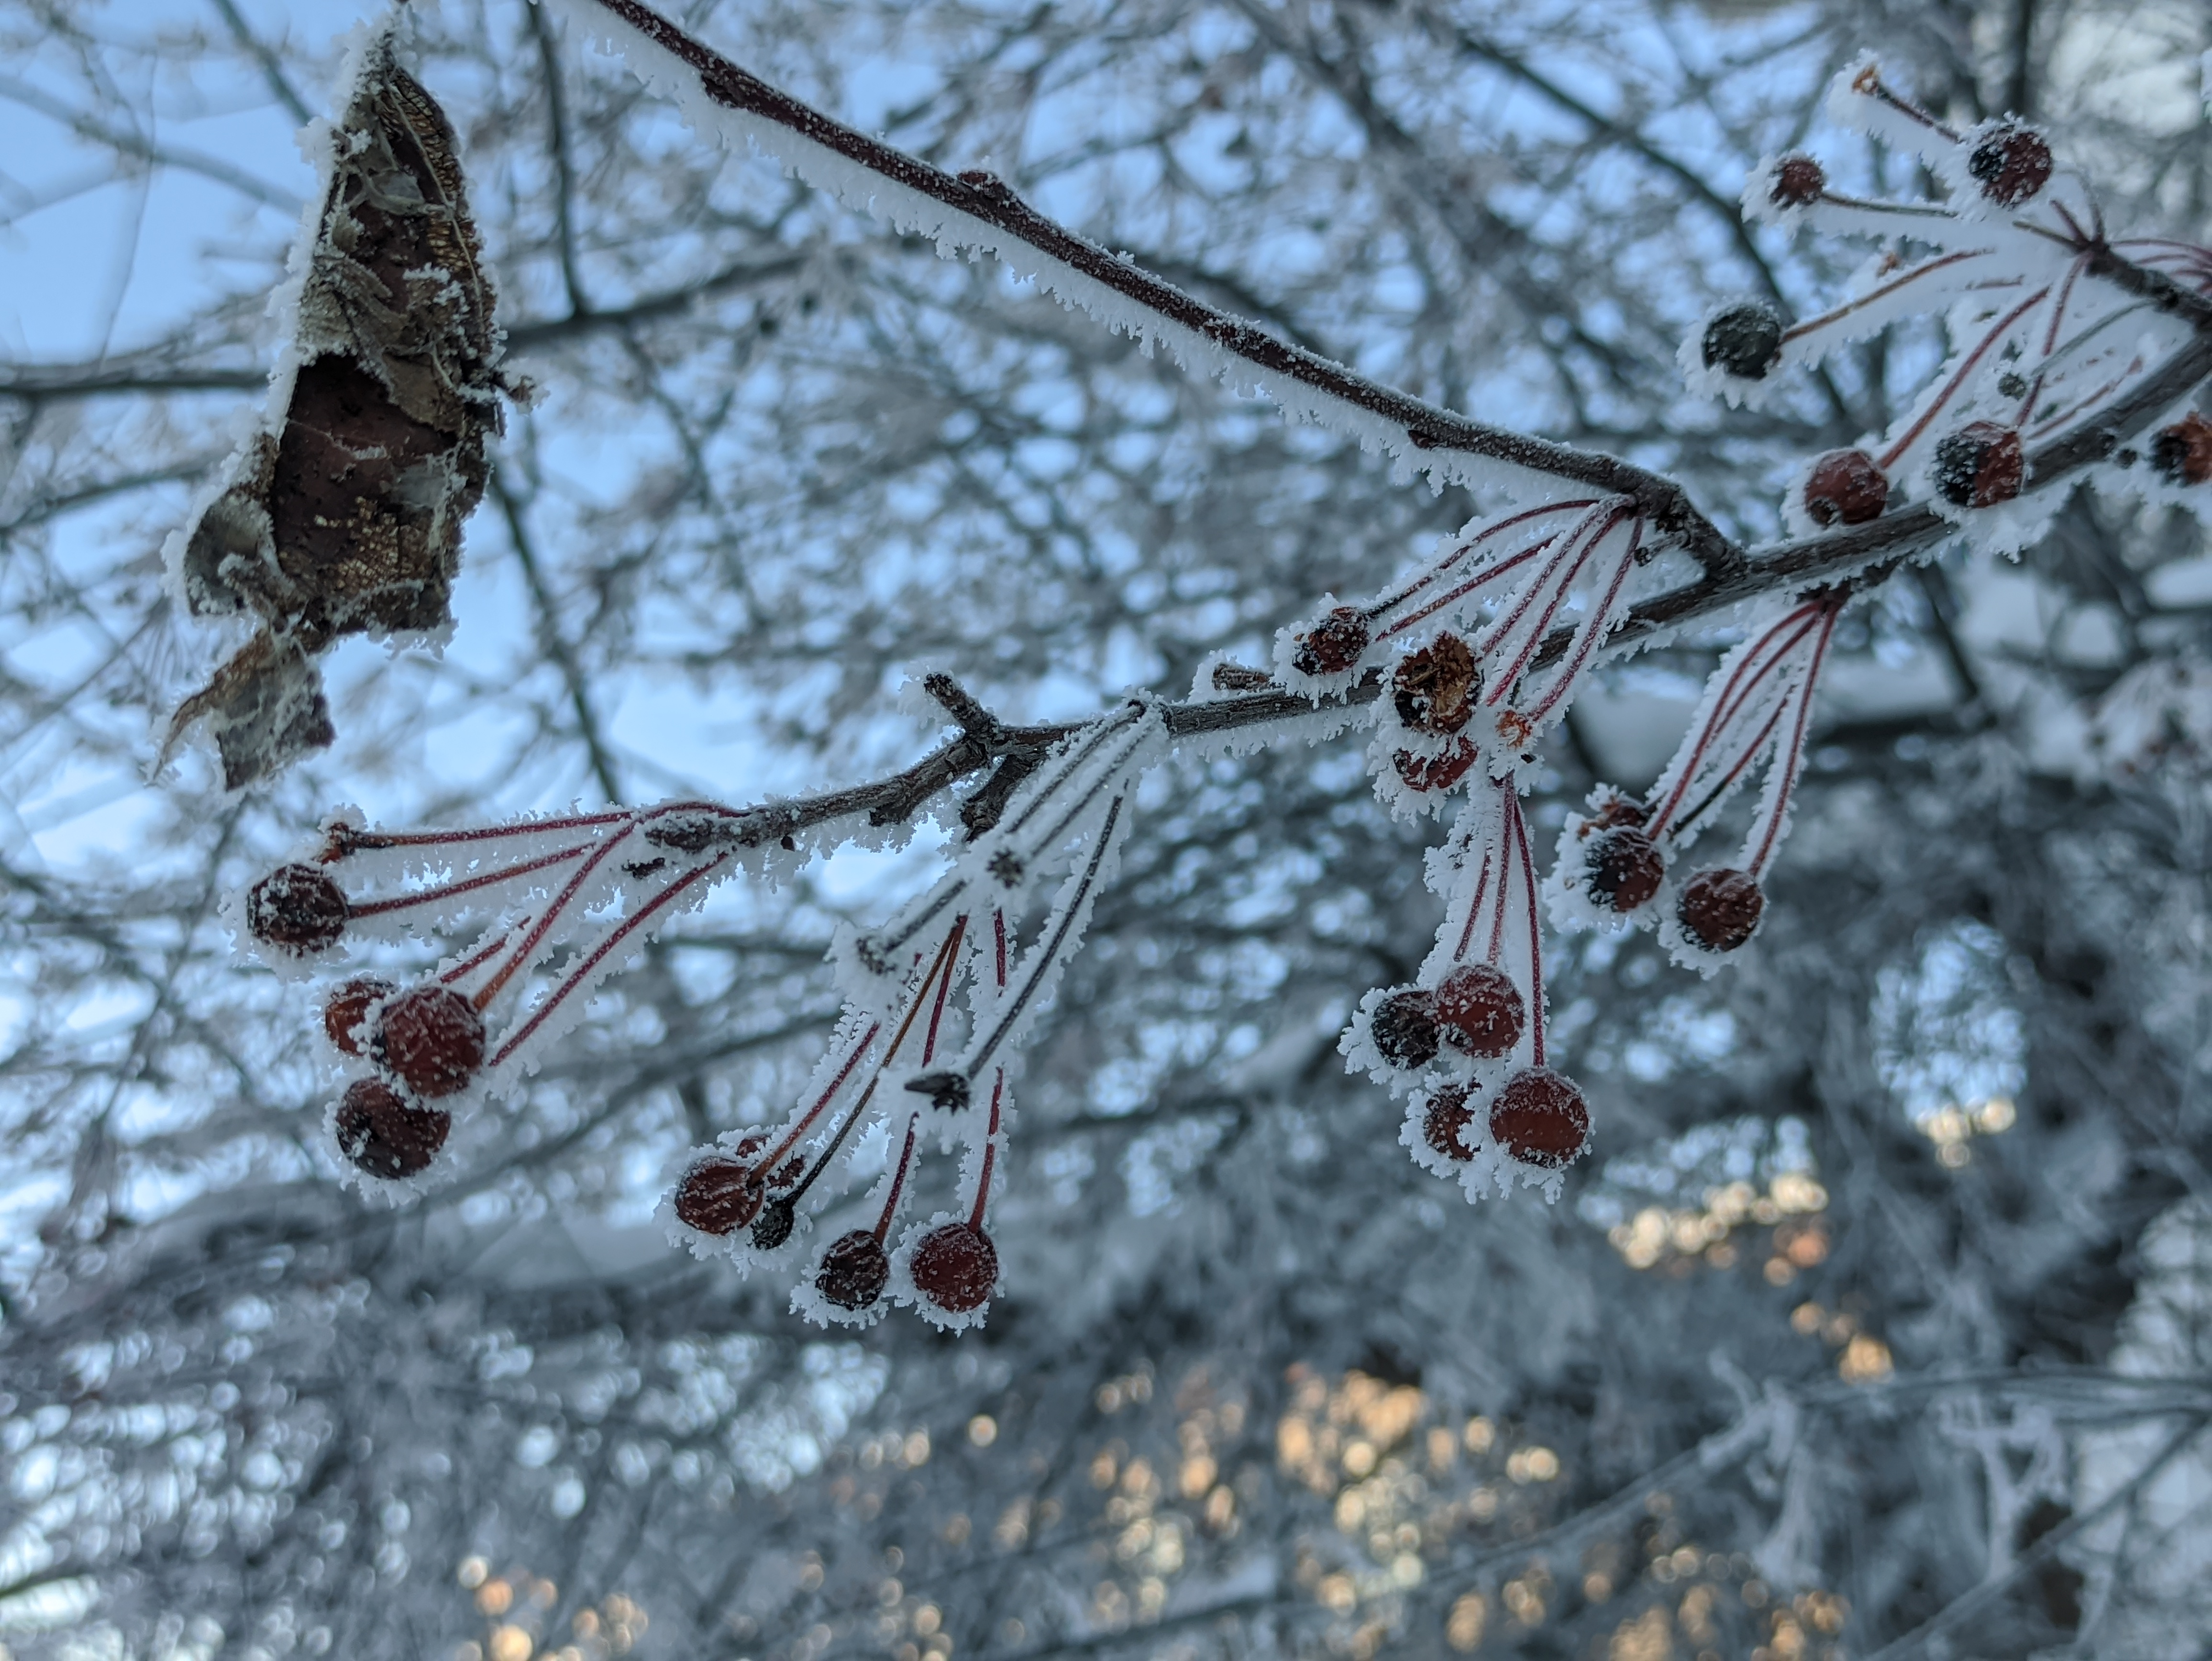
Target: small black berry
1980 466
855 1270
298 908
1404 1026
1720 910
1745 340
774 1226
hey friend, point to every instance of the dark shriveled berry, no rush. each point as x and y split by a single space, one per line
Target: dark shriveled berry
1845 488
2183 452
1744 340
774 1226
1980 466
1479 1012
1720 910
431 1039
719 1196
1333 645
1540 1119
2011 165
1796 182
1624 870
955 1267
383 1136
1435 688
1404 1027
348 1008
1448 1116
1435 772
853 1272
298 908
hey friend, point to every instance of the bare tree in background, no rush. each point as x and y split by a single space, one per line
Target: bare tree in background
1876 1322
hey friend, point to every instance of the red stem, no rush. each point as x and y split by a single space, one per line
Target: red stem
453 890
1535 929
898 1181
539 929
1594 626
990 1149
1935 404
1794 758
1725 708
1813 325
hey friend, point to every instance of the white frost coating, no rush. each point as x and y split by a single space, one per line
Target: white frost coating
912 213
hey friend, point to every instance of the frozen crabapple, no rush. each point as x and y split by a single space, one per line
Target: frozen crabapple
431 1039
773 1225
1480 1011
1332 645
1979 466
1540 1119
1745 340
1796 182
348 1009
1845 488
854 1271
1434 689
1720 910
1448 1116
2010 164
2183 452
1623 869
955 1267
297 908
385 1136
1404 1027
719 1194
1427 773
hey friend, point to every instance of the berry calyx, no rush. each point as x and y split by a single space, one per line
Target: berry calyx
1448 1116
1404 1028
383 1136
1845 488
1332 645
297 908
2011 165
431 1039
1745 340
2183 452
1434 689
1796 182
774 1226
720 1194
853 1272
1540 1119
955 1267
1624 870
1720 910
348 1010
1980 466
1435 772
1479 1012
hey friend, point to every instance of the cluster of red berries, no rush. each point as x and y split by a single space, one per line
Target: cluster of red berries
427 1043
1718 909
1539 1118
954 1266
1435 692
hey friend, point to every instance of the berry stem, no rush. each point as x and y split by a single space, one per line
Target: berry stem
470 965
806 1120
944 988
990 1151
898 1180
1520 831
1792 760
1750 669
1461 549
1489 575
451 891
1594 625
1896 284
544 926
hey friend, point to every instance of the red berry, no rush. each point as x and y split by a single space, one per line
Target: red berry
1448 1114
1540 1119
385 1136
1845 488
1980 466
955 1267
1720 910
348 1008
853 1272
1435 772
2012 164
1744 341
431 1039
718 1195
2183 452
298 908
1435 688
1333 645
1480 1011
1404 1027
1796 181
1623 868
